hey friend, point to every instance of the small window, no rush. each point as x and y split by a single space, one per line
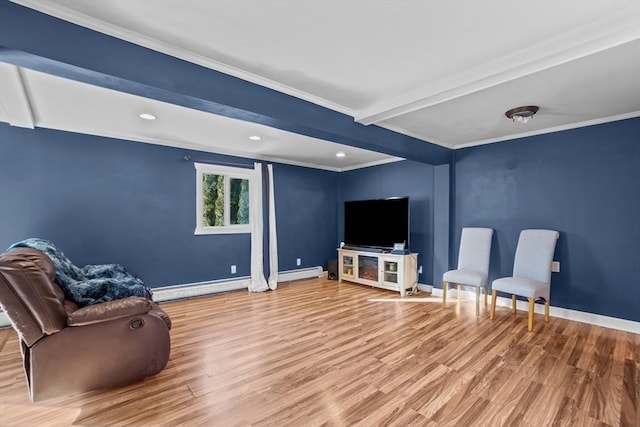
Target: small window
222 199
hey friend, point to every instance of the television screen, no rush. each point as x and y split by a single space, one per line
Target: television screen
377 223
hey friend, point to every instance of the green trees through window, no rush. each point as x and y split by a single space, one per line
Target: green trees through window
214 206
239 201
223 199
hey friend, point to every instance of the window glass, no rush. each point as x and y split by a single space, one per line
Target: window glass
222 199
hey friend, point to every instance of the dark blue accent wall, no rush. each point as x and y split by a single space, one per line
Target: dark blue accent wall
404 178
103 200
585 183
307 219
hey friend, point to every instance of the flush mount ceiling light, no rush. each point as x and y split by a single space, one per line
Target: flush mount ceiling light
522 114
255 138
147 116
340 154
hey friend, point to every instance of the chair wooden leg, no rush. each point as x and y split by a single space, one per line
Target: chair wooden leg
445 289
477 300
546 310
531 306
492 315
486 291
513 304
458 286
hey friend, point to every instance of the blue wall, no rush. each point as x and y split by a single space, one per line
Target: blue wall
104 200
585 183
404 178
307 219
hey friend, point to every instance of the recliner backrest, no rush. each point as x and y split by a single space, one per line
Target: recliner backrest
31 300
534 254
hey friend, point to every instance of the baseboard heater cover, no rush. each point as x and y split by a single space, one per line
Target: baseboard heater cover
191 290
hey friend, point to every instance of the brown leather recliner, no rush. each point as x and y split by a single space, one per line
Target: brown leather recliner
68 350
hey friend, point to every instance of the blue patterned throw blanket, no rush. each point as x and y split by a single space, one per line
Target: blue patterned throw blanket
91 284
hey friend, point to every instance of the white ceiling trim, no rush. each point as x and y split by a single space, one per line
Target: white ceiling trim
420 136
600 35
551 130
66 14
15 100
376 163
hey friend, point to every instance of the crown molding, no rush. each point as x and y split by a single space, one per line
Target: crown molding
595 37
376 163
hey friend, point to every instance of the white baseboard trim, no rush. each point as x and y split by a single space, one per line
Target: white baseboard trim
559 312
300 274
191 290
425 288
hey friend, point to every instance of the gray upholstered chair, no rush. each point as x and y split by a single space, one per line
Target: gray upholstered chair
531 272
473 264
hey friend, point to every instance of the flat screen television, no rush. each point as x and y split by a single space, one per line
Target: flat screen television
377 223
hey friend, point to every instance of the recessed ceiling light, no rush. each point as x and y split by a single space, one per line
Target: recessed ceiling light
255 138
340 154
147 116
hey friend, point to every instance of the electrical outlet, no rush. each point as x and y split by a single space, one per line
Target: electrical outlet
233 269
420 270
555 266
298 261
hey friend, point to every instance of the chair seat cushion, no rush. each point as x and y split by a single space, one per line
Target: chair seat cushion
523 287
466 277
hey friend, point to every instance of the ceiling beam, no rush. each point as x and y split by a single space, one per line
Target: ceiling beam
15 100
71 51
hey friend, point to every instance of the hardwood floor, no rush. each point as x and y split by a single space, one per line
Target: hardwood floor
319 353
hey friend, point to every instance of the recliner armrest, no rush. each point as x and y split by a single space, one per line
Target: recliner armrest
109 310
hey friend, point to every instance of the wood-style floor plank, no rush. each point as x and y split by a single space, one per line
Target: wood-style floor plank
323 353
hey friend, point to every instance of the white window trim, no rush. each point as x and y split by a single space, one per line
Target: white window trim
228 172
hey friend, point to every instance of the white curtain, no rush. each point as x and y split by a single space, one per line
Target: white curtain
258 282
273 238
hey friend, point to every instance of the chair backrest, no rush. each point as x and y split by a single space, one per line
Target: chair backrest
534 254
475 249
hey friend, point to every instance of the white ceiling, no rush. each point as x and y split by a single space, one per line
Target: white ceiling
441 71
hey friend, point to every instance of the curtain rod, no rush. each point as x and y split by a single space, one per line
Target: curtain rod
188 158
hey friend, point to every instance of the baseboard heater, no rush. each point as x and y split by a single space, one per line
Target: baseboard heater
191 290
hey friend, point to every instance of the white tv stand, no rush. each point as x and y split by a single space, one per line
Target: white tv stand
382 270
